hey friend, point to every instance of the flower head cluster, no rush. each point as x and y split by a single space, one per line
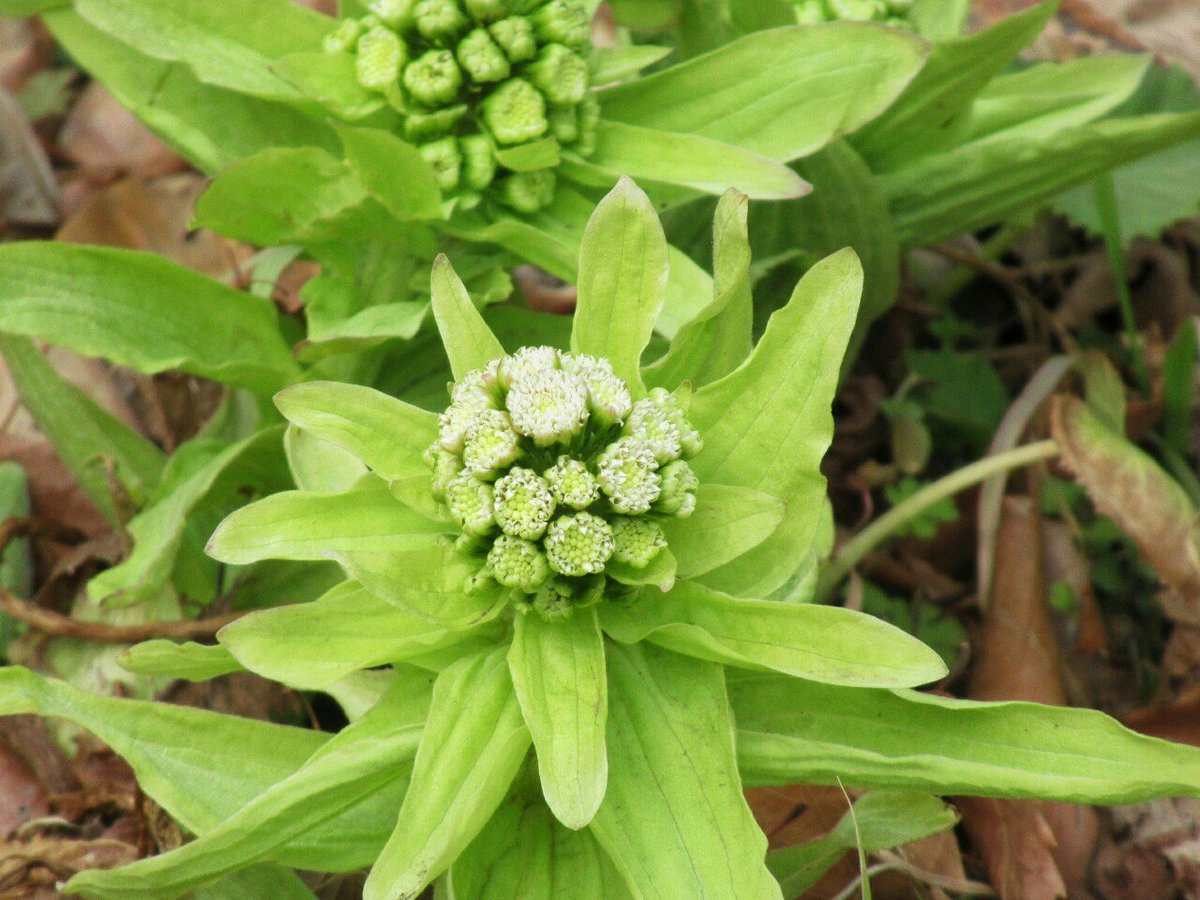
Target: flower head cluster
553 472
477 83
889 12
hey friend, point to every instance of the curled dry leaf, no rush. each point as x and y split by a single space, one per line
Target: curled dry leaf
102 135
1126 485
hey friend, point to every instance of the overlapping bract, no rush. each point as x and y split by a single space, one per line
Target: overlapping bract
486 95
551 470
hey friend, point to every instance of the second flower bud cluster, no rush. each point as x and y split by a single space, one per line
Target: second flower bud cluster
556 476
488 89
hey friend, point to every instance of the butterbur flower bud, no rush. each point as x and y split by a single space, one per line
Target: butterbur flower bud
608 397
526 361
515 37
515 112
527 192
343 37
433 78
651 427
554 600
689 437
563 22
395 14
440 21
571 484
636 542
564 123
453 425
560 74
478 161
488 10
445 467
518 563
381 55
549 406
579 544
470 503
490 445
478 388
524 504
481 57
444 159
679 483
628 476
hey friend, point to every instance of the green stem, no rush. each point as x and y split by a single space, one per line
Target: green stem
1105 192
882 528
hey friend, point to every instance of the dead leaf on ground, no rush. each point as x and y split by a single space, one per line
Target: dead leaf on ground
104 137
29 193
1176 720
797 814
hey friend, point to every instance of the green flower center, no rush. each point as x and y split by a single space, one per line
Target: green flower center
484 93
552 471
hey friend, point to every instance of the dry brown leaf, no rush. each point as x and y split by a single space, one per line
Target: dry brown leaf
29 193
24 49
1016 843
103 136
1177 720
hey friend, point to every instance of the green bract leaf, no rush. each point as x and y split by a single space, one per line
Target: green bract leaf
84 435
369 328
319 465
472 747
622 282
881 819
728 521
312 645
783 93
302 525
690 160
673 819
330 79
523 851
609 64
790 731
469 343
158 531
189 661
767 424
201 766
393 171
717 339
558 672
358 761
101 301
386 434
261 880
822 643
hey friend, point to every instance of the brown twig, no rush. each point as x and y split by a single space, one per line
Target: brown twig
55 623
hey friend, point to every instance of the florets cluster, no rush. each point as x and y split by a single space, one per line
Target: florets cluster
889 12
554 473
478 83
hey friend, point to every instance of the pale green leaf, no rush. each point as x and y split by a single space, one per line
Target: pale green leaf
558 672
143 311
387 434
728 521
189 661
306 526
319 465
659 573
360 760
469 343
472 747
822 643
791 731
687 160
688 289
260 880
393 171
622 281
531 157
363 330
717 339
673 819
820 83
767 424
330 79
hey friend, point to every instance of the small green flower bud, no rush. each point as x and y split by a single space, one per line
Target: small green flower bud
579 544
445 160
636 541
525 362
515 37
571 484
560 74
608 396
527 192
422 126
650 426
588 114
440 21
445 467
380 58
689 437
490 445
479 388
453 425
553 601
515 112
433 78
563 22
564 124
628 476
517 563
549 406
396 14
343 38
488 10
470 503
479 161
679 483
481 57
524 504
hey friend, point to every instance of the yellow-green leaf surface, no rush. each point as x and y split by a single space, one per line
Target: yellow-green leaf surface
728 521
468 340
